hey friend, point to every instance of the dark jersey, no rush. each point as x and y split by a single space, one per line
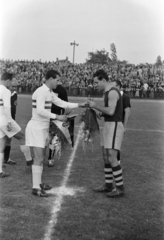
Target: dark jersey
13 104
118 114
62 94
126 103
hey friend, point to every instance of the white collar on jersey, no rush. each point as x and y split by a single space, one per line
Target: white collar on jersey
46 88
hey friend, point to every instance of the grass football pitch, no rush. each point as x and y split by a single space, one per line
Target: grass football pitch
74 211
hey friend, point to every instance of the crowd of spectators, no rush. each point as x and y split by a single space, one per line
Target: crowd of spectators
141 81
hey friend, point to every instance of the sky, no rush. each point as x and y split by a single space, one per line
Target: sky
44 29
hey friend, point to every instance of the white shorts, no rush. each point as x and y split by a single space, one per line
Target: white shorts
15 128
37 134
112 135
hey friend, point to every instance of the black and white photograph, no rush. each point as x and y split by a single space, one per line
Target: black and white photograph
81 120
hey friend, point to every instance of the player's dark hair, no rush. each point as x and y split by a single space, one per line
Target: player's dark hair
52 73
100 74
6 76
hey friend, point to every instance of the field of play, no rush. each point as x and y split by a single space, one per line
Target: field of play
74 211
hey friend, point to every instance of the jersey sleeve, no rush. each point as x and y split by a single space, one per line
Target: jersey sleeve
63 104
7 104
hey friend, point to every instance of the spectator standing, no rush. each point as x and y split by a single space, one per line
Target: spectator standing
145 88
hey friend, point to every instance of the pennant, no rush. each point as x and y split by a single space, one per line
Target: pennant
61 130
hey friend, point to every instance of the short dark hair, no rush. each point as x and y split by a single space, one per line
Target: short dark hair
118 83
52 73
100 74
6 76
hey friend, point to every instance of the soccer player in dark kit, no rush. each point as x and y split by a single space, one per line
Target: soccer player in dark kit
112 134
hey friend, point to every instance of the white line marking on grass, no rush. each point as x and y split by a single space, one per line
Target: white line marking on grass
60 192
65 191
144 130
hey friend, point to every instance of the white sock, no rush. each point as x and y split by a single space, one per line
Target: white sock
37 176
1 161
26 151
119 162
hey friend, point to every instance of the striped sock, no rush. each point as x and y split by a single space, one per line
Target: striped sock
117 173
108 175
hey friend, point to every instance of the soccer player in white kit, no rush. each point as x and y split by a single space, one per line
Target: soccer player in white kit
8 127
37 130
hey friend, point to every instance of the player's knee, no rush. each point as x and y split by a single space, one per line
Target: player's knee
38 161
112 157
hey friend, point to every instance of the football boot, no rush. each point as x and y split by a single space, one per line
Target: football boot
29 163
45 186
39 192
103 189
116 193
11 162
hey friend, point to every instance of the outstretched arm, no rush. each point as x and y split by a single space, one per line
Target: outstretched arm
63 104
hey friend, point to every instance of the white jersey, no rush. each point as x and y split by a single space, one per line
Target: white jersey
42 100
5 103
5 114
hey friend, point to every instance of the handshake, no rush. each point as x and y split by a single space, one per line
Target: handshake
87 104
